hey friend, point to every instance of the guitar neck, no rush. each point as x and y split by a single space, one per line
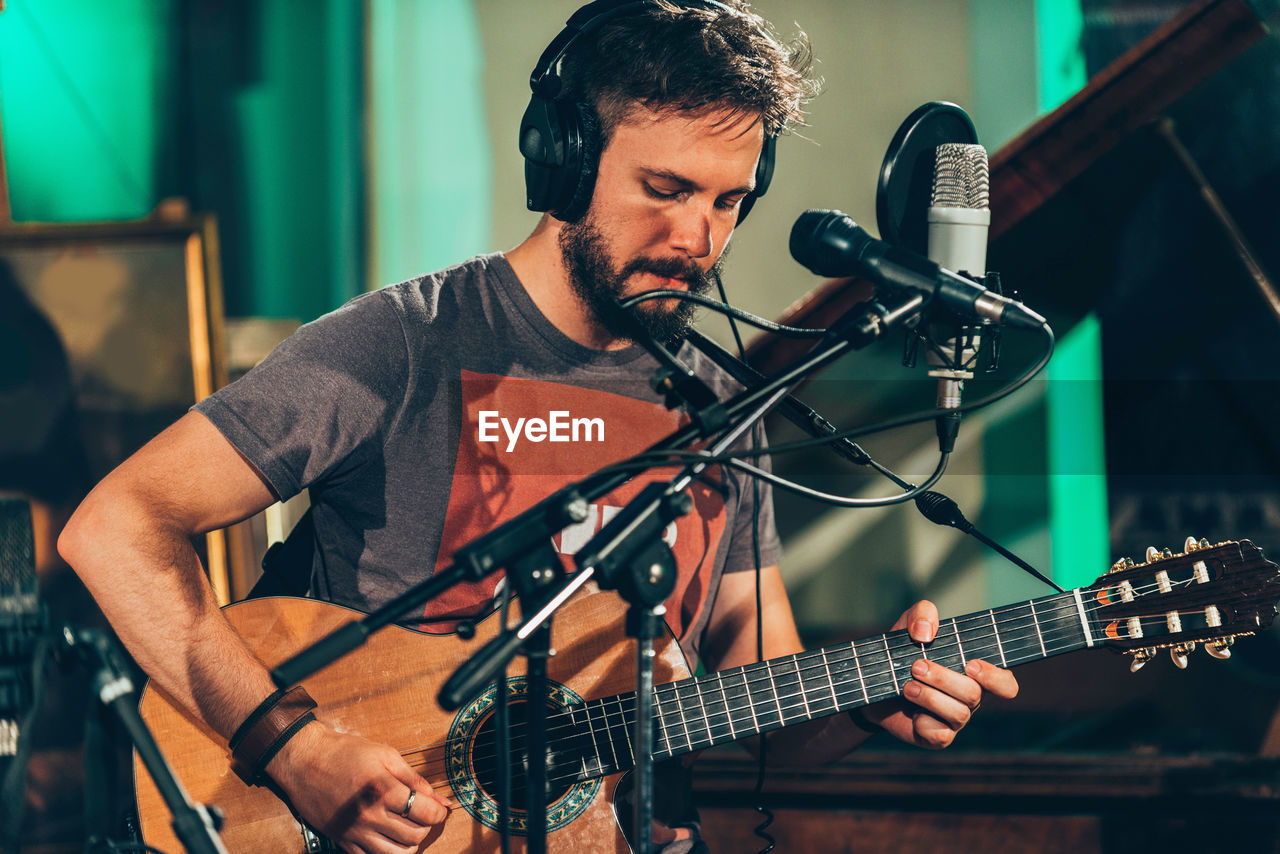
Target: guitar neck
694 714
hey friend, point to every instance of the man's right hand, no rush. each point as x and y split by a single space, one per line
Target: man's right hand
354 791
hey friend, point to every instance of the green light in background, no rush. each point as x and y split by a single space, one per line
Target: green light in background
85 88
1078 521
430 169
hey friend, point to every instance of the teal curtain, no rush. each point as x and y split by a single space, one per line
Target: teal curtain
430 162
86 89
1076 452
296 245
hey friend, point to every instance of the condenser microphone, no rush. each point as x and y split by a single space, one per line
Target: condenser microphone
959 218
831 244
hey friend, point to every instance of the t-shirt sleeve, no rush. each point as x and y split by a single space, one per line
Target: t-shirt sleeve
742 545
322 400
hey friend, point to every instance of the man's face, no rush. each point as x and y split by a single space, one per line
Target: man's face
665 203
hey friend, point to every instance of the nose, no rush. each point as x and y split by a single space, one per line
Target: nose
691 230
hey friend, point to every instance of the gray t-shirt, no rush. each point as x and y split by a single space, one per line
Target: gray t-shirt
426 413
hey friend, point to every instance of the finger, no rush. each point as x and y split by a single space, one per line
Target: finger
428 808
996 680
930 732
940 705
920 621
958 685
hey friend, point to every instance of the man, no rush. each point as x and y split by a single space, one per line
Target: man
409 414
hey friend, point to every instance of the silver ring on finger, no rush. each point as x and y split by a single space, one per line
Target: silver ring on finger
408 805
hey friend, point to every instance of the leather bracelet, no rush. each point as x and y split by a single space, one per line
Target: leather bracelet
862 722
267 729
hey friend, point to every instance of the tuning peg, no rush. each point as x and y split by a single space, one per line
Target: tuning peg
1179 654
1141 657
1164 553
1190 545
1204 544
1219 649
1153 553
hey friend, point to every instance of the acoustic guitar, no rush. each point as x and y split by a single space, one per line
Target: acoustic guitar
386 691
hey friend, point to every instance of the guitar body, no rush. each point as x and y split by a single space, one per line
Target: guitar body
386 691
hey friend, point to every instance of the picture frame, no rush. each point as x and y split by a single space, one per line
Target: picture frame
137 309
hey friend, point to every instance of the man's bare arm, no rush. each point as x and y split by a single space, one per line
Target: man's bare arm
130 541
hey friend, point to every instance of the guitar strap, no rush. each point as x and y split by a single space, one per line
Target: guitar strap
286 567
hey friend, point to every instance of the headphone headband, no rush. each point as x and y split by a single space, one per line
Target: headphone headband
560 138
586 20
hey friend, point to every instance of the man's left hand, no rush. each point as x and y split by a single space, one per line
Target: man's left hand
938 701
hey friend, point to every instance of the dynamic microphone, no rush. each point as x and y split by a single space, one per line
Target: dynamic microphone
959 217
831 244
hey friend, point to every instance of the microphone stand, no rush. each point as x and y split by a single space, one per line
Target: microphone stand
935 506
523 545
620 546
195 825
857 328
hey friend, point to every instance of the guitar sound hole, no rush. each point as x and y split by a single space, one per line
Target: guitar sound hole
559 762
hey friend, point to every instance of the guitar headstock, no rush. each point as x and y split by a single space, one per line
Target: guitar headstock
1209 594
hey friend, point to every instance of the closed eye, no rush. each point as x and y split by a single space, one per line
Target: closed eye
660 194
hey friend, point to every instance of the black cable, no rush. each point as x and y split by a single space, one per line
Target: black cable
901 421
911 418
640 462
762 764
725 309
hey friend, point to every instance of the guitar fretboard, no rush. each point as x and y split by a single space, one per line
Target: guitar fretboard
694 714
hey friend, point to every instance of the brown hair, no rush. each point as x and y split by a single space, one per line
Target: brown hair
674 58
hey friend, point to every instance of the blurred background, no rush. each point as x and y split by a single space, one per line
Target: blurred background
316 150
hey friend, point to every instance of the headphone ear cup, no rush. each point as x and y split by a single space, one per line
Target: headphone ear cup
764 175
581 183
542 145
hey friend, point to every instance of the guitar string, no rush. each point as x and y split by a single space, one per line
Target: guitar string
568 772
625 711
575 774
942 648
1011 632
673 698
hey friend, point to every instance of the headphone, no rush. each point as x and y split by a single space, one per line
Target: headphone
560 138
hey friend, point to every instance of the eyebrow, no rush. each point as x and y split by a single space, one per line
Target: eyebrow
675 177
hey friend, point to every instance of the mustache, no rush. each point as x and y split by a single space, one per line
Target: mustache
671 268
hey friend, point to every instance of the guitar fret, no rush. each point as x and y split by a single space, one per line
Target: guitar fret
626 728
728 712
608 735
701 716
782 716
959 646
862 683
795 662
831 683
751 706
684 723
1036 620
573 717
889 656
595 736
995 631
659 722
1084 621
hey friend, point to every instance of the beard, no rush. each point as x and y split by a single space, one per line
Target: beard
597 283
